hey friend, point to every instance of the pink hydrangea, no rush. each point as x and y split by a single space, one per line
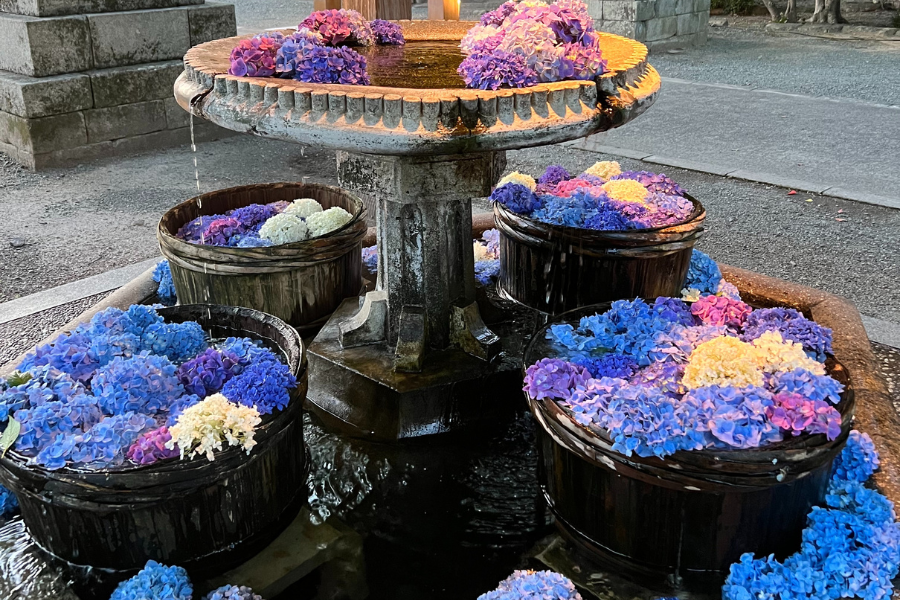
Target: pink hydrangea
151 447
256 57
796 414
720 310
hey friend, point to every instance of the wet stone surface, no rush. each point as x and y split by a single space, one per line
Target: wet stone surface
417 64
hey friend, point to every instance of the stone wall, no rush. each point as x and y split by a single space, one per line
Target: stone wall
99 82
661 24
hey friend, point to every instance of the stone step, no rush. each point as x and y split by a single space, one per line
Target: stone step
55 8
45 46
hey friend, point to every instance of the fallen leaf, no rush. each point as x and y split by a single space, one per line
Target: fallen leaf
792 193
841 220
840 211
809 199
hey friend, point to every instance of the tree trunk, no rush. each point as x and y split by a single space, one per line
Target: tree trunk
770 6
790 13
828 11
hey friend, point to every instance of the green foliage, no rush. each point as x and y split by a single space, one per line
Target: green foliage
10 435
735 7
18 378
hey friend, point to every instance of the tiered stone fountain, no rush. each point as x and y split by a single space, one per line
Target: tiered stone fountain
414 357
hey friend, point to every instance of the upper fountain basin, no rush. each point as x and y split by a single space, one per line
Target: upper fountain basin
419 119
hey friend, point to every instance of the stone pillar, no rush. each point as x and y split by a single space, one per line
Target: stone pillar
380 9
660 24
85 78
425 262
443 10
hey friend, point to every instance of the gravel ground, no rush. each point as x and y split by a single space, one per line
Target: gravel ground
63 225
889 368
865 71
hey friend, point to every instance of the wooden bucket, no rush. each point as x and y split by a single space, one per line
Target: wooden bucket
206 516
301 283
553 269
678 523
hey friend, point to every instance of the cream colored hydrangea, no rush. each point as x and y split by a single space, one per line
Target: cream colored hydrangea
776 354
481 251
211 425
723 361
519 178
626 190
303 207
690 294
604 169
327 221
284 229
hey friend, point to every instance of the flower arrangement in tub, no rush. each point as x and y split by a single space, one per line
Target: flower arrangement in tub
263 225
667 375
603 198
129 389
318 52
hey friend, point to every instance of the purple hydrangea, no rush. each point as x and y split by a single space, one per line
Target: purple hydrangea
665 376
370 258
220 231
151 447
340 27
734 417
156 581
533 585
256 57
491 237
288 56
857 461
497 16
796 414
553 378
252 216
190 231
553 175
208 372
517 198
162 275
232 592
674 310
493 70
806 384
387 33
793 326
320 64
654 182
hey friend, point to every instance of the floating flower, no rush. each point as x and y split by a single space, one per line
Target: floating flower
144 384
284 229
252 216
734 417
553 378
728 290
220 231
604 169
626 190
370 258
155 581
303 207
609 365
776 355
797 415
387 33
656 183
519 179
491 71
151 447
9 504
162 275
487 271
264 386
320 64
806 384
553 175
323 223
723 361
176 341
533 585
256 57
703 274
211 425
516 197
206 373
340 26
253 242
792 326
233 592
717 310
289 54
857 461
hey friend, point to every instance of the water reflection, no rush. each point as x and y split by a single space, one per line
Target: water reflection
417 64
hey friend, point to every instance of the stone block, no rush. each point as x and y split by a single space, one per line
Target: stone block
665 8
44 47
135 83
623 28
644 10
32 97
55 8
128 120
702 35
702 6
618 10
683 7
142 36
686 24
176 116
661 28
212 21
43 134
595 9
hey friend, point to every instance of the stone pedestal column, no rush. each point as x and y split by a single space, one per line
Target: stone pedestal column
425 296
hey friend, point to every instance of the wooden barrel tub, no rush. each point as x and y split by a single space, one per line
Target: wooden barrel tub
301 283
677 524
553 268
206 516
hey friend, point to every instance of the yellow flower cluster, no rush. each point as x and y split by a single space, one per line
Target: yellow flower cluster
481 251
722 361
775 355
604 169
626 190
211 424
690 294
519 178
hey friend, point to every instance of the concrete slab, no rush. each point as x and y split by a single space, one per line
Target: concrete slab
882 332
690 165
778 180
32 97
53 8
44 47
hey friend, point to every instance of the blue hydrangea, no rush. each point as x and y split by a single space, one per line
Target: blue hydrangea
179 406
264 384
793 326
857 461
104 445
145 383
568 212
43 424
487 271
607 218
177 341
533 585
9 504
628 327
491 238
370 258
70 353
517 198
253 241
247 350
232 592
115 322
674 310
703 273
41 385
156 582
162 275
733 417
808 385
608 365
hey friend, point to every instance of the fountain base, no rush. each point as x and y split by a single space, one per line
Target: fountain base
357 390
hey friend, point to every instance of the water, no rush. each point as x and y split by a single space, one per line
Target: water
417 64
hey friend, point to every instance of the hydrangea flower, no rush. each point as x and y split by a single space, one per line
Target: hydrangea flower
192 230
553 378
323 223
728 290
9 504
717 310
723 361
797 415
793 326
609 365
303 207
517 198
568 212
553 175
604 169
178 406
481 40
176 341
665 376
533 585
252 216
776 354
340 26
491 237
220 231
247 350
387 33
370 258
703 273
256 57
734 417
212 424
233 592
674 310
491 71
292 48
263 386
103 445
284 229
626 190
151 447
487 271
253 242
144 383
39 386
322 64
42 424
70 353
157 582
162 275
206 373
629 328
806 384
656 183
857 461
